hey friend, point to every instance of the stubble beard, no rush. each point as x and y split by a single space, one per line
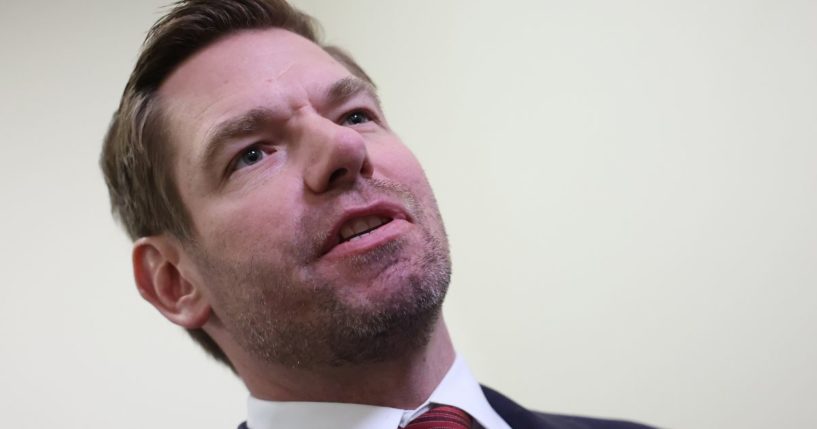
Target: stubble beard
306 323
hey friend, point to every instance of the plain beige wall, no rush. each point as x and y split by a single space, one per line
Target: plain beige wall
629 189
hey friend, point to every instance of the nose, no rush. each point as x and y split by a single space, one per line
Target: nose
337 156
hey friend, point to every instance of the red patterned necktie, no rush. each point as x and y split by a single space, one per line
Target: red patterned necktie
442 417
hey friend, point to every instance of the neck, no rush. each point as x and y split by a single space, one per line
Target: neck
403 383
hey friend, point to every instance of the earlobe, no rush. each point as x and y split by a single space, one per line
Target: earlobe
160 282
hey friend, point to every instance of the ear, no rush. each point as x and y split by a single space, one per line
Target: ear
160 282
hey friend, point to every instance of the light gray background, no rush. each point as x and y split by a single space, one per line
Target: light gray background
629 189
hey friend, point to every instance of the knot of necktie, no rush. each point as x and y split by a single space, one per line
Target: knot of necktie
442 417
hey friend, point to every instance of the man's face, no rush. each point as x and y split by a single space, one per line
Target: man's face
317 237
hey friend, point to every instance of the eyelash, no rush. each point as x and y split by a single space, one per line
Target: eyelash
370 117
234 165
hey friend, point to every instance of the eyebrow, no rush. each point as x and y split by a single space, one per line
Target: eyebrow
255 119
348 87
243 125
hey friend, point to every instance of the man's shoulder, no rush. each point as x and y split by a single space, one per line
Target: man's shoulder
519 417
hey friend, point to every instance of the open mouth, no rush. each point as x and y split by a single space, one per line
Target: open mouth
361 226
356 223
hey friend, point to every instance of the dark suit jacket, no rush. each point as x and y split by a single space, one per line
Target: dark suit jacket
521 418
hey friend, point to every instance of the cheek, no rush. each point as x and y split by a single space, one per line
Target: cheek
258 224
398 163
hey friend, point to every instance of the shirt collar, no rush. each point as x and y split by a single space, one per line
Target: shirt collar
458 388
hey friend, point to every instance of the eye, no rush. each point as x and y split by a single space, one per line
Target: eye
357 117
248 157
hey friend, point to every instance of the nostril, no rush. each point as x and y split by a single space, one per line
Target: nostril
337 174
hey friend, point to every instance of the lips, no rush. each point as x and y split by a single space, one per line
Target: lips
360 226
357 223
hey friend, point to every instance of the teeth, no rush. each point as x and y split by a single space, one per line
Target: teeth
356 227
346 232
374 222
360 225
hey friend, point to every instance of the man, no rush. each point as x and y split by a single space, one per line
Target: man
279 219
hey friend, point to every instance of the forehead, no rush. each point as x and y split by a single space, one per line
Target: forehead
272 69
251 67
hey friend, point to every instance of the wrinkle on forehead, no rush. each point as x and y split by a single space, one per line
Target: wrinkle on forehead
283 72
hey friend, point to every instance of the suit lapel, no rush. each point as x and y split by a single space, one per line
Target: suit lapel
514 414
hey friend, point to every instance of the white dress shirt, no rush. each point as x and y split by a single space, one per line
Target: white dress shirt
458 388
